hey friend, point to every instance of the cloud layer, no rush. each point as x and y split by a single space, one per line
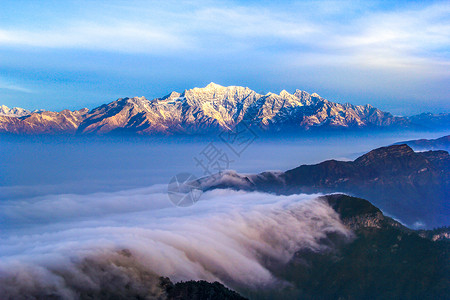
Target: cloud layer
66 245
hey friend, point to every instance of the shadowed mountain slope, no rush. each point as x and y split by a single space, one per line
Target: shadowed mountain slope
385 261
412 186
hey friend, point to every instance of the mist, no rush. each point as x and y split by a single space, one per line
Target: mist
38 166
67 245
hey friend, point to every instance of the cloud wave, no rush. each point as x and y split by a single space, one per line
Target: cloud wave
77 242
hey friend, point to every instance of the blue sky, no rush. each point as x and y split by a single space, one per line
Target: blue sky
73 54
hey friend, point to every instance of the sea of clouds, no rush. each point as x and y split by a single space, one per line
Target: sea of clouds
110 243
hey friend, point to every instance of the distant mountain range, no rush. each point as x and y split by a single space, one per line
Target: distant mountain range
13 112
211 109
442 143
411 186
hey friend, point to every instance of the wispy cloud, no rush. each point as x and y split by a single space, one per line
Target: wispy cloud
116 37
398 38
8 85
341 46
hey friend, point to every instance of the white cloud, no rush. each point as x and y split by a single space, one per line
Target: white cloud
399 39
118 37
353 48
8 85
226 236
343 33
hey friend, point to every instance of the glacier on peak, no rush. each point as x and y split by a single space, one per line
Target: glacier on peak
13 112
213 108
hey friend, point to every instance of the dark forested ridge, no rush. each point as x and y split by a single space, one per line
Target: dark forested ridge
411 186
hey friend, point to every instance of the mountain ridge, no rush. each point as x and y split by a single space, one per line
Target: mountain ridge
412 186
442 143
213 108
383 261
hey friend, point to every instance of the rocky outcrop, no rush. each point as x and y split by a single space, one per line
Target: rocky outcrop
355 213
437 234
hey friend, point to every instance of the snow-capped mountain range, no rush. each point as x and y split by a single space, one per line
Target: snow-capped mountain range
209 109
13 112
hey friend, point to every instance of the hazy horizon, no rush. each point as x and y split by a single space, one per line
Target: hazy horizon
71 164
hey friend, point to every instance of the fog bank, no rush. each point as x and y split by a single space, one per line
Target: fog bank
67 245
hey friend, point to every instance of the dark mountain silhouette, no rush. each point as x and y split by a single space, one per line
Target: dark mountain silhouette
385 261
411 186
198 290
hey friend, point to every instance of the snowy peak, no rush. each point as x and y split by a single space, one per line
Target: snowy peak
13 112
210 109
285 94
213 85
171 96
